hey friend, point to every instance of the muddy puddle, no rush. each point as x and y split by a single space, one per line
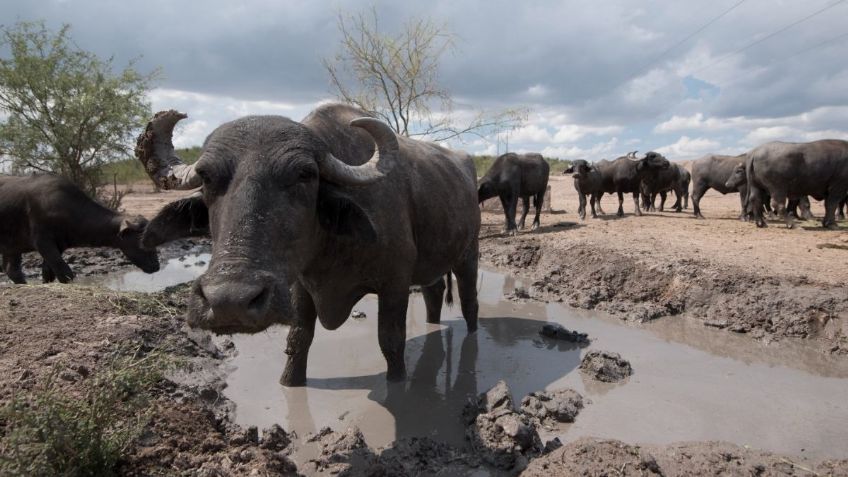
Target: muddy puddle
689 382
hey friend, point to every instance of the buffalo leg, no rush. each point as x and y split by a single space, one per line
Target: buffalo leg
841 208
47 275
621 204
804 207
598 203
697 193
537 202
525 202
779 205
581 207
433 295
509 204
391 331
663 197
636 203
12 267
593 201
755 205
677 203
300 337
686 197
831 202
466 284
53 257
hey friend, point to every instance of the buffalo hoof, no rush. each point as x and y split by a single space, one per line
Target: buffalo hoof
830 225
762 224
534 227
699 217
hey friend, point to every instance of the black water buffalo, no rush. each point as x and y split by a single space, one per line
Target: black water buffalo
792 170
739 180
625 175
715 171
676 178
307 218
513 176
49 214
587 182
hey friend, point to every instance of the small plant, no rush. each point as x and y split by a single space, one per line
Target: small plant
54 432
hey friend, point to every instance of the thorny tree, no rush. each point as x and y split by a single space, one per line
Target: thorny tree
395 77
66 111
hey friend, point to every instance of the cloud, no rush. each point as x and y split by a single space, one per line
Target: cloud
688 148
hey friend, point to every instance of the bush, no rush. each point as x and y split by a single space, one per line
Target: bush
51 432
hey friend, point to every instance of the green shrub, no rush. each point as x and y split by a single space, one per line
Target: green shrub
52 432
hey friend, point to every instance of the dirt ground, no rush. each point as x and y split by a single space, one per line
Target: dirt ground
770 284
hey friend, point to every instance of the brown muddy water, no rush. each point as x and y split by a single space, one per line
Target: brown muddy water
689 382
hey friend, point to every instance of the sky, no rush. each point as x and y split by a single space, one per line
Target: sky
599 78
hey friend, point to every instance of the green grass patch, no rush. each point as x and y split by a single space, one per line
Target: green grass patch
51 431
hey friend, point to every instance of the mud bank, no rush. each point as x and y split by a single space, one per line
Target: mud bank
644 287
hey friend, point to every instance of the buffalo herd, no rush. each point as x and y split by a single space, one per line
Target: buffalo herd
308 217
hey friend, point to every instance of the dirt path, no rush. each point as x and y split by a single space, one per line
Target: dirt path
769 283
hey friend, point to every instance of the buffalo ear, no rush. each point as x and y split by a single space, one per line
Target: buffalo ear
131 225
339 214
187 217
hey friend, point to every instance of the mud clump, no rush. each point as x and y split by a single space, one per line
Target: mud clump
547 406
557 332
497 433
347 454
605 366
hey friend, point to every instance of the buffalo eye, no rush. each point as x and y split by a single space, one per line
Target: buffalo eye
307 174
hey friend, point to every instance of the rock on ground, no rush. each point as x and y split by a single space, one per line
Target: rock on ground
558 332
605 366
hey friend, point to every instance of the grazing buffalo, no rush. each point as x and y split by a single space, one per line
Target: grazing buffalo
792 170
512 176
676 178
307 218
49 214
587 182
625 175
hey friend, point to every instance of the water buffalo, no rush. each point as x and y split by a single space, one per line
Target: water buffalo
587 182
49 214
792 170
512 176
625 175
715 171
307 218
676 178
739 180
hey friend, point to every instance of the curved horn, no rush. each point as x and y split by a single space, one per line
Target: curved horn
378 166
155 149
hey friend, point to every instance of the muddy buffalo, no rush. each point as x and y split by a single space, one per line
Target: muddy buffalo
676 178
307 218
792 170
513 176
625 175
49 214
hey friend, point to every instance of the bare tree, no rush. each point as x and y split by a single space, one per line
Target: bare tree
395 77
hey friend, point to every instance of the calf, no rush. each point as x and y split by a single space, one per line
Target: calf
49 214
676 178
587 182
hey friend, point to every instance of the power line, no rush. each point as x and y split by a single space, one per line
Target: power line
679 43
770 35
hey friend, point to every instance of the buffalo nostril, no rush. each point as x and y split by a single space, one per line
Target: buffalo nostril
258 303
